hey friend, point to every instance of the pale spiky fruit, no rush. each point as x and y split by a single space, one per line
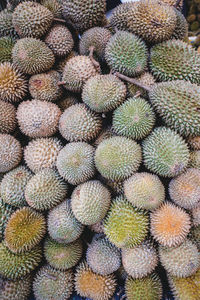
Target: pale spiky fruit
60 65
54 6
7 117
194 235
6 211
15 290
97 227
196 215
181 29
6 25
67 101
195 159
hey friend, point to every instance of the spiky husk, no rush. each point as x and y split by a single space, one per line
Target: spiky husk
7 117
6 45
195 235
195 142
6 211
195 159
98 227
54 6
60 65
6 25
15 290
181 29
196 215
67 101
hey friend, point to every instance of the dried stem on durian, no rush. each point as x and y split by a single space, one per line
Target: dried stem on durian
59 20
95 63
132 80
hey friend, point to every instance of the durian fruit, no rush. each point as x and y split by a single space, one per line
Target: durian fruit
184 190
117 158
181 261
78 123
45 190
116 186
144 190
124 225
181 29
63 227
45 86
103 93
67 101
140 261
195 142
6 45
90 202
7 117
91 285
96 37
170 225
6 25
59 40
77 71
106 133
134 118
119 16
147 288
42 153
31 19
173 3
196 215
195 159
147 79
6 211
195 235
15 290
37 118
85 14
13 185
61 256
126 53
32 56
60 65
10 152
51 284
13 85
75 162
24 230
102 256
97 227
165 152
54 6
14 266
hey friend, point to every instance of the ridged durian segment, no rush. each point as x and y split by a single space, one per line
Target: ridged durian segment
32 56
177 102
61 256
195 159
59 40
77 71
90 202
165 152
195 142
148 288
126 53
170 225
134 118
37 118
79 124
102 256
54 6
6 25
147 79
42 153
140 261
85 14
13 85
14 266
184 190
96 37
181 29
15 290
196 215
6 211
181 261
144 190
60 65
13 185
125 226
24 230
91 285
45 190
117 158
10 152
51 284
63 227
119 17
7 117
6 45
75 162
67 101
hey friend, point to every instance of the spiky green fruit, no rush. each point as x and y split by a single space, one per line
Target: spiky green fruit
118 157
6 45
126 53
63 227
147 79
195 159
14 266
6 25
165 152
54 6
181 28
6 211
15 290
51 284
7 117
125 226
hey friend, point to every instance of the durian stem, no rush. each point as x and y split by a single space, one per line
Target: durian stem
177 3
132 80
62 82
59 20
95 63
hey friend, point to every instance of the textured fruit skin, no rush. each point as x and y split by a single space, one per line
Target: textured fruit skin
52 284
77 71
103 93
181 29
91 285
165 152
177 102
60 65
98 227
146 79
119 16
31 19
124 225
148 288
13 186
102 256
6 211
126 53
61 256
169 225
15 290
181 261
7 117
54 6
195 159
63 227
6 25
117 158
75 162
196 215
6 45
67 101
195 142
14 266
32 56
90 202
144 190
194 235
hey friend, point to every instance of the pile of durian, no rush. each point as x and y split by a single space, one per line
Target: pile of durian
99 151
